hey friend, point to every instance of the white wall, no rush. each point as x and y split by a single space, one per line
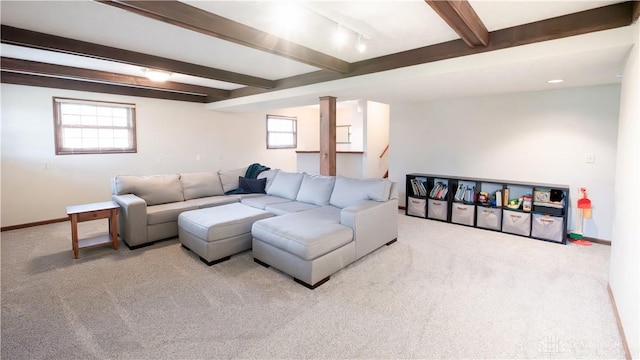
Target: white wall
540 137
170 136
624 274
376 131
370 133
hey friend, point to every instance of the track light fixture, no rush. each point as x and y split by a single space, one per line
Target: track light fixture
361 46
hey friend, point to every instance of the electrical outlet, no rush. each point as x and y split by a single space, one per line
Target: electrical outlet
590 158
46 165
160 159
197 157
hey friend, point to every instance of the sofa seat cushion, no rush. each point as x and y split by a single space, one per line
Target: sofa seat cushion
301 235
221 222
212 201
289 207
158 214
261 202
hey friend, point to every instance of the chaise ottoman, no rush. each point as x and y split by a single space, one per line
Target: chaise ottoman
309 245
217 233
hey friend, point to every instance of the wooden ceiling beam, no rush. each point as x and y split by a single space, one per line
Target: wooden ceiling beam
462 19
39 68
604 18
190 17
83 85
37 40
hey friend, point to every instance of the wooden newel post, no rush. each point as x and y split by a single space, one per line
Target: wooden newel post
327 135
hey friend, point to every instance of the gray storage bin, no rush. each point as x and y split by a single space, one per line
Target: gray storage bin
547 227
417 207
463 214
515 222
437 209
489 218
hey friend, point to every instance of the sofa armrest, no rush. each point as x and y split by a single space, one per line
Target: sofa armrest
374 224
132 219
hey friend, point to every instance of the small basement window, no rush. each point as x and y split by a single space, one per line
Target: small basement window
94 127
281 132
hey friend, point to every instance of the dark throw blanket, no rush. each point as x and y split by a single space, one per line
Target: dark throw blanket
252 173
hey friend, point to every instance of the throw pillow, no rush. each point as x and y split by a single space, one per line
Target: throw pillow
252 186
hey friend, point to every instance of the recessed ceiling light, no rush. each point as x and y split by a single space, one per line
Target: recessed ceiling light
555 81
156 75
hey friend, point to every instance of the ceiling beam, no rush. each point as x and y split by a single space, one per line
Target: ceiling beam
190 17
39 68
83 85
463 20
37 40
604 18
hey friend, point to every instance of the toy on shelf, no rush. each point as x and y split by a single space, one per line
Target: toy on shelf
584 212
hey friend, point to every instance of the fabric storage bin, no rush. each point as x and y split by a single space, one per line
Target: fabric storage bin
437 209
489 218
417 207
463 214
547 227
515 222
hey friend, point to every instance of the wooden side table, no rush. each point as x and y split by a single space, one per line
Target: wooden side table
95 211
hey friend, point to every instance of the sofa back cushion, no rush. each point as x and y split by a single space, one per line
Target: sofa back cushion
350 191
269 175
157 189
201 184
230 179
316 189
286 184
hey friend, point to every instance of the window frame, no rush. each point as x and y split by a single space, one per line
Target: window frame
294 120
58 127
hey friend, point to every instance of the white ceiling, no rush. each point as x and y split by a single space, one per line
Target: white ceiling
386 26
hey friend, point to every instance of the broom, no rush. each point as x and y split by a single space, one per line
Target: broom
584 207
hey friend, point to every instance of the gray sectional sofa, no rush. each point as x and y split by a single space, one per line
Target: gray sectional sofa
308 226
150 205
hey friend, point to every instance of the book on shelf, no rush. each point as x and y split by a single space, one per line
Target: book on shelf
469 194
439 191
413 187
418 187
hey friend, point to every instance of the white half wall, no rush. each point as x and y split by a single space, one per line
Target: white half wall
171 134
540 137
624 274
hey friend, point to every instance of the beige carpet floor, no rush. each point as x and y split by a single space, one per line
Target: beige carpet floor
441 292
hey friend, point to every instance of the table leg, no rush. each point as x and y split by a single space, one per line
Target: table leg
113 227
74 234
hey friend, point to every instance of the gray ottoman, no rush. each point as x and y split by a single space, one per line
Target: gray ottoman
218 232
